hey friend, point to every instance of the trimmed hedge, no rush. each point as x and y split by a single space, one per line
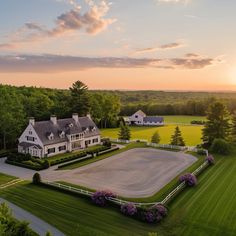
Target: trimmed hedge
25 165
69 158
22 160
198 122
76 161
107 151
97 150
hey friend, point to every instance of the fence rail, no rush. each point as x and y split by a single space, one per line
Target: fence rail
70 188
164 146
121 201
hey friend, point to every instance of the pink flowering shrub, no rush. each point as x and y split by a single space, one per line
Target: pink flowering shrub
189 179
210 159
128 209
100 197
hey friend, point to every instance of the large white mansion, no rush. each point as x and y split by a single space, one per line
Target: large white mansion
55 136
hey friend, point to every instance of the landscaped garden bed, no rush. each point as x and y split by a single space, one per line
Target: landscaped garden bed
26 161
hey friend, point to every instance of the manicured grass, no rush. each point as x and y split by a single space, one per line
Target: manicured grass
207 209
101 157
210 207
191 134
6 178
74 215
183 119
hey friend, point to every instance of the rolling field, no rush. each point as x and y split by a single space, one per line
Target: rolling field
207 209
191 134
5 178
183 119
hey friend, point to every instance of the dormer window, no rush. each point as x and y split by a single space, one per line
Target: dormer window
51 136
70 125
93 129
62 134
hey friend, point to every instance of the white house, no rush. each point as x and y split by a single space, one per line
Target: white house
140 118
55 136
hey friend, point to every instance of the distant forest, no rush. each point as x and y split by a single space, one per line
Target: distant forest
19 103
170 103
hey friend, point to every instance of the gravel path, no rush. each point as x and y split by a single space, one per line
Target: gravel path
36 224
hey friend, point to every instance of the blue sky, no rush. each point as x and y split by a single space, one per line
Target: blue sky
177 38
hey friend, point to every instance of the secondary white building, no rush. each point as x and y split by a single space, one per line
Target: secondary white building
55 136
140 118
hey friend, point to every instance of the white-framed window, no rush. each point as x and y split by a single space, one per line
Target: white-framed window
29 138
95 140
51 136
62 148
51 150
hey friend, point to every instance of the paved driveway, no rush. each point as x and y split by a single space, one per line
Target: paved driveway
38 225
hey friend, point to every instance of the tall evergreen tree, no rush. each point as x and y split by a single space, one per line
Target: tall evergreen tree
176 138
217 125
233 131
80 99
124 132
156 138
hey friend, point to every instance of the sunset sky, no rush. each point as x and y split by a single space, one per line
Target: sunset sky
119 44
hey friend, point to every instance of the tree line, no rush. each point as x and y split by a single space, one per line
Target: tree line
17 104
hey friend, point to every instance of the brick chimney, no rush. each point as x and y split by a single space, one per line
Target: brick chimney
53 119
75 117
32 121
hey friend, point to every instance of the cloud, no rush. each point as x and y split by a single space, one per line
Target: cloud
6 46
192 55
173 1
93 21
57 63
162 47
171 45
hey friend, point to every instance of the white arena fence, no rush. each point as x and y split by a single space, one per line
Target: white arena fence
119 201
164 146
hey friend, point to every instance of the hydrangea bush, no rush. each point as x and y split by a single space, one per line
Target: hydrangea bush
100 197
154 214
128 209
161 210
189 179
210 159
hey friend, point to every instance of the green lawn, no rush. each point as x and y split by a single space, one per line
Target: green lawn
74 215
6 178
210 208
192 134
183 119
207 209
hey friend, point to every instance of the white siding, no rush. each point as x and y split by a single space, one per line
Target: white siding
30 132
56 146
